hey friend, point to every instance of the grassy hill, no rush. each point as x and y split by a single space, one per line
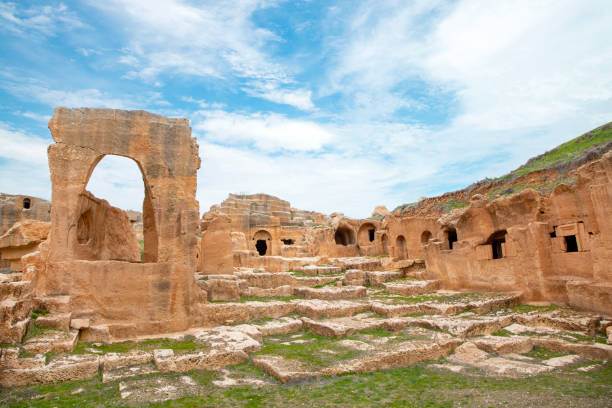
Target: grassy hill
543 173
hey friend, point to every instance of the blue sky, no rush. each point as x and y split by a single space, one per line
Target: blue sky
332 105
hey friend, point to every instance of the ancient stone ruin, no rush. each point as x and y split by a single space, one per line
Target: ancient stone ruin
481 285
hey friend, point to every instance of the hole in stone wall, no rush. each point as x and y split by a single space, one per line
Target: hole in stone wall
451 237
26 203
261 246
496 240
571 244
371 235
344 236
288 241
425 237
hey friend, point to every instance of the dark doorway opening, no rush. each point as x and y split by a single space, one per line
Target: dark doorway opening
371 235
452 237
497 249
26 203
261 246
571 245
288 241
344 236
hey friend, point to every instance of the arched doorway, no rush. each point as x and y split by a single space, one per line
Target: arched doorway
400 245
344 236
366 234
263 242
425 237
103 227
385 243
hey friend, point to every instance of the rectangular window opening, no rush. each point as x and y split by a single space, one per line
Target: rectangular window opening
571 244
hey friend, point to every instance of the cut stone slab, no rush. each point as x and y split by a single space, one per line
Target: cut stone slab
316 309
244 338
167 361
284 370
476 326
281 291
9 358
354 277
113 361
504 345
590 351
342 326
331 293
468 353
60 321
561 320
64 368
284 325
52 340
53 304
412 288
563 361
315 270
79 324
127 372
511 368
356 345
378 278
227 381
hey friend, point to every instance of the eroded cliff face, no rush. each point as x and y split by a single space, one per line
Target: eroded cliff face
15 208
556 248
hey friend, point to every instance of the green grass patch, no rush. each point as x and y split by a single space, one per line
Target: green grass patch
543 353
522 308
36 313
187 343
35 330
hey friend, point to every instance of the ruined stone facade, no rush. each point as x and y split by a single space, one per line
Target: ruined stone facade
110 288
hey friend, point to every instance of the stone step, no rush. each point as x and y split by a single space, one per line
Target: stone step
16 289
354 277
316 270
412 287
59 321
363 263
316 309
13 332
52 340
331 292
377 278
15 310
53 304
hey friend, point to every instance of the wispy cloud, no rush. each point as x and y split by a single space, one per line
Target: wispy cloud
267 132
46 20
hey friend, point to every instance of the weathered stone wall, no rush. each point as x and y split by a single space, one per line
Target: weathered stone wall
556 248
216 244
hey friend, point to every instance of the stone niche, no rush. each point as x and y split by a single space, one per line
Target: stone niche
148 296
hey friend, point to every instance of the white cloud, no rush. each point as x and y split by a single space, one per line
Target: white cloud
46 20
213 39
268 132
299 98
34 116
17 145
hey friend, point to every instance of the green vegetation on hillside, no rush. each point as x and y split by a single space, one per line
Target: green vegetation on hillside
576 151
565 153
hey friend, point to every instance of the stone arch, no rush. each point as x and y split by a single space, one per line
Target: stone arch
400 245
366 234
425 237
384 239
344 235
262 241
89 205
166 155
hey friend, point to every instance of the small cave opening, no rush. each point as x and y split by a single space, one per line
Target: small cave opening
496 240
261 246
288 241
26 203
344 236
571 244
